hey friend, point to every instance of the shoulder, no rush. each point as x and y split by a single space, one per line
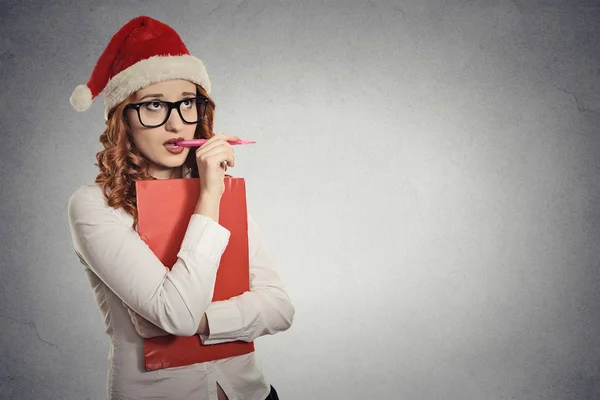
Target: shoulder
89 202
86 195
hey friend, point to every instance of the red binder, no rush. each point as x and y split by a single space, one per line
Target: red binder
164 210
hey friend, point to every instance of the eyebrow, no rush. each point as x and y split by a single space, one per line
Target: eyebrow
161 95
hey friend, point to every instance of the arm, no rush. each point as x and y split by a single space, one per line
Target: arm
264 310
173 300
147 329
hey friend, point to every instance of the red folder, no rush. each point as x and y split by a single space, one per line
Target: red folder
164 210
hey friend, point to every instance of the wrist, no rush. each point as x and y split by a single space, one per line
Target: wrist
208 205
210 195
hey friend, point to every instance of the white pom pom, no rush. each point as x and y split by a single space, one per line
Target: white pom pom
81 99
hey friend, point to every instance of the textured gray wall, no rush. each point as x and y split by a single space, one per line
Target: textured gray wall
426 178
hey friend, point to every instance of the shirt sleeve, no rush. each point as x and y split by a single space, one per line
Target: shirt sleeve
173 300
264 310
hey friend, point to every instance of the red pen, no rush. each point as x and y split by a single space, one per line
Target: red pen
200 142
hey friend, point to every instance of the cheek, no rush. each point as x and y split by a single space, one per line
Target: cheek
142 140
188 131
138 139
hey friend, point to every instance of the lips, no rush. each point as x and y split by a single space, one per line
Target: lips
171 146
173 141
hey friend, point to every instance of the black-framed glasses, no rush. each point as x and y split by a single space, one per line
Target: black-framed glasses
154 113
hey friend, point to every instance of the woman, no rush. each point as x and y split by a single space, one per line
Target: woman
155 93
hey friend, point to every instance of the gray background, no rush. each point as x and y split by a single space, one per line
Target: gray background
426 179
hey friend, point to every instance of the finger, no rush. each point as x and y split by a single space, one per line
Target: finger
207 147
222 151
222 160
215 138
229 159
221 137
227 137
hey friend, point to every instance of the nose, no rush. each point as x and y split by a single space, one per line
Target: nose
174 122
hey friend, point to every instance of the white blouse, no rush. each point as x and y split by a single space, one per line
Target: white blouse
121 268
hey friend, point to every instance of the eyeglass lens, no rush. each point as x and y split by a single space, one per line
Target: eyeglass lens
157 112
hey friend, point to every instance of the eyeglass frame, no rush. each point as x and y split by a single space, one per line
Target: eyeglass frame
172 105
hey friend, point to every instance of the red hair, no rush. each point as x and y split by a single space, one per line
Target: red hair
121 164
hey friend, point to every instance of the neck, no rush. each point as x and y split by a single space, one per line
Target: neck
168 173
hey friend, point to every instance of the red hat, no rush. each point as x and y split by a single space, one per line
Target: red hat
143 52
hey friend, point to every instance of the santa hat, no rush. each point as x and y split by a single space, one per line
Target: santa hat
143 52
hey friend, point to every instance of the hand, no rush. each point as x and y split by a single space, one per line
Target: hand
143 327
209 157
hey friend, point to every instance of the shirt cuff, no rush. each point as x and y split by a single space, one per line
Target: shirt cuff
205 236
224 322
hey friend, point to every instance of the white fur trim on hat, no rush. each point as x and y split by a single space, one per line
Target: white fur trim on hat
153 70
81 99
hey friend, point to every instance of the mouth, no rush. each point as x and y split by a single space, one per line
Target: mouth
172 143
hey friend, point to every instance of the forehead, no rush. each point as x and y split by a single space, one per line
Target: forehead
170 88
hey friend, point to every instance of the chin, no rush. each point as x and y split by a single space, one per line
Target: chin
172 160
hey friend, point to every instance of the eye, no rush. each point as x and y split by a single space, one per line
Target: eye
153 105
188 103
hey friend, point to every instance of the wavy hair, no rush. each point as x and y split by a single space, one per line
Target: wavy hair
121 164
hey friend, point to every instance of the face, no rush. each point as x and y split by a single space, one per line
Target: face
165 160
